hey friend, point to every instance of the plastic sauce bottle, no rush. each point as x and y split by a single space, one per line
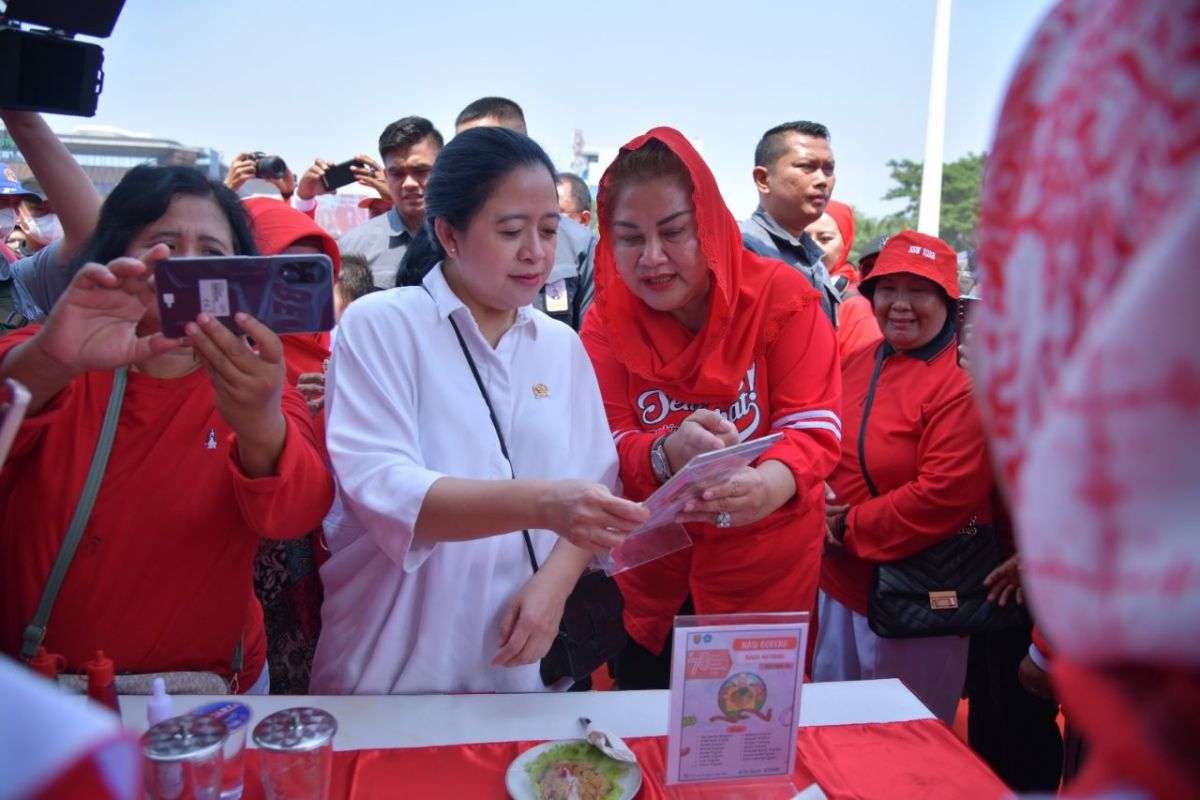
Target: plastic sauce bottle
158 707
101 686
47 664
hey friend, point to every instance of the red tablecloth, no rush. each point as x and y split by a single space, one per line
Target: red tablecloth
921 759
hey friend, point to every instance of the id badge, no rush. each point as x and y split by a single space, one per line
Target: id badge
556 297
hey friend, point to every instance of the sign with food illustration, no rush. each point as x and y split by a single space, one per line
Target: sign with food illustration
735 697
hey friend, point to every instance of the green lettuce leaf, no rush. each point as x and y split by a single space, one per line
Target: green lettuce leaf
578 751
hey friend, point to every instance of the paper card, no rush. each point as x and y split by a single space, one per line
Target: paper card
735 697
702 472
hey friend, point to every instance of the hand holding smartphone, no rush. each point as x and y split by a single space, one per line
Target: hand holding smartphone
340 175
287 293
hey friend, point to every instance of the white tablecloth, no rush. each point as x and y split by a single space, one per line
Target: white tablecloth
366 723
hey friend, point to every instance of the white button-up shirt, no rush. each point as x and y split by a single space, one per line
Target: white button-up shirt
404 614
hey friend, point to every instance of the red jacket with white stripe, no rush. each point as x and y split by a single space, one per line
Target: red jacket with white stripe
915 421
792 386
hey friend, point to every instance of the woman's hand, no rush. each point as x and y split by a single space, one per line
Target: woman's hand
531 620
1004 582
833 510
248 386
702 432
312 386
588 515
94 324
750 494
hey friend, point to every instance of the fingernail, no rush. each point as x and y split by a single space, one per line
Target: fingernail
191 329
204 318
241 316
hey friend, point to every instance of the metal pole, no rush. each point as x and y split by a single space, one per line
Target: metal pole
929 216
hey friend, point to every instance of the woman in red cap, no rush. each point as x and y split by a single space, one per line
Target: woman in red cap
916 469
698 344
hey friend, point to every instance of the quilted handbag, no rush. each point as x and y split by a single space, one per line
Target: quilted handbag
939 591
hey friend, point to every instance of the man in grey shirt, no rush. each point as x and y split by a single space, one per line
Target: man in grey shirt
794 174
568 291
409 148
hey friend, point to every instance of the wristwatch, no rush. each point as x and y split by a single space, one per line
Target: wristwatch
658 459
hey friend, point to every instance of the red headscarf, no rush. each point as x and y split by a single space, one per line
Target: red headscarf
278 226
1089 373
752 298
843 215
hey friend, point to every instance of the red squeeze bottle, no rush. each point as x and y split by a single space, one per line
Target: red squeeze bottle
101 685
47 664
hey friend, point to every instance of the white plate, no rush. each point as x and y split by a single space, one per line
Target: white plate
516 780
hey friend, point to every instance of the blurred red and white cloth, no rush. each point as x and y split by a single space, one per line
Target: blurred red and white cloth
57 745
1088 363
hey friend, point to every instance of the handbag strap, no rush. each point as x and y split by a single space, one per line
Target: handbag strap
862 430
35 631
495 424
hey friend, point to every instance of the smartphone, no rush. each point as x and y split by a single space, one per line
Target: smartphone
288 293
339 175
962 318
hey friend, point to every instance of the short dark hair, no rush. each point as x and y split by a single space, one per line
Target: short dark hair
580 193
771 146
501 108
464 177
354 279
144 195
405 132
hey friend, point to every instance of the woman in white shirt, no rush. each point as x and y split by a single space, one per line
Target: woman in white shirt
430 588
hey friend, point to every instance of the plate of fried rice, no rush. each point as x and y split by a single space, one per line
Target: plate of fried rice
570 770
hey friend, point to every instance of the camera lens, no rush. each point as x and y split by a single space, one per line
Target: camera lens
270 167
290 273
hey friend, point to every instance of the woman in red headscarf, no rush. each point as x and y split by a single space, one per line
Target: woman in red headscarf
698 344
285 573
834 232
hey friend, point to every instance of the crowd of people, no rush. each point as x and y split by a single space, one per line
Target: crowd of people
514 370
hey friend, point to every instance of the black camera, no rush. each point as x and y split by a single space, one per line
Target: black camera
268 167
47 70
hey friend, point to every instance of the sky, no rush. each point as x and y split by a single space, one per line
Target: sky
305 79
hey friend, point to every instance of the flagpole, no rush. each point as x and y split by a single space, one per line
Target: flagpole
929 215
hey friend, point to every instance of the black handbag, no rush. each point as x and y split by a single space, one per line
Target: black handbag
939 591
592 630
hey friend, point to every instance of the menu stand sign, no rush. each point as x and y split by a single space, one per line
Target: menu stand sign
735 705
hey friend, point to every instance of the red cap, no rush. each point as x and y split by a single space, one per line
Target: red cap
99 670
48 664
916 254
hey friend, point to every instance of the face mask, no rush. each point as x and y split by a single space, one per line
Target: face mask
45 229
8 220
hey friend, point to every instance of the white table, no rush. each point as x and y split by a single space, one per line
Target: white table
381 722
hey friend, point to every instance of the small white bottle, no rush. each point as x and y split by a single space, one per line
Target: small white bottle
159 706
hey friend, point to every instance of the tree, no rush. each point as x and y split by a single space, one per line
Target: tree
867 228
961 184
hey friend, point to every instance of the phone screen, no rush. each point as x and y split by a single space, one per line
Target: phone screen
287 293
